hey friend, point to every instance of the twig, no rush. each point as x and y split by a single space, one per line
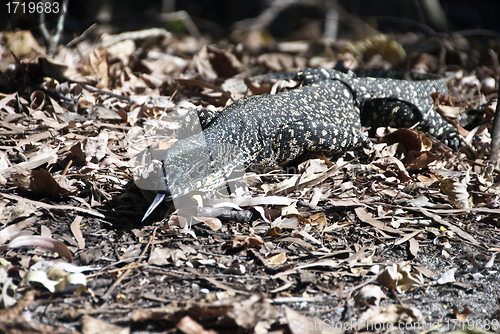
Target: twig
200 83
104 92
495 135
127 272
52 207
52 41
77 40
402 20
184 17
331 20
152 35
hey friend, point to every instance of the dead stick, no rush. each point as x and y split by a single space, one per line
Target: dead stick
128 271
495 135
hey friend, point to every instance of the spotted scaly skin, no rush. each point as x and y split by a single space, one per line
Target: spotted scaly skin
386 99
324 114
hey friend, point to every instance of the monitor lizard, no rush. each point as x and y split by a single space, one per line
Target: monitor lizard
324 114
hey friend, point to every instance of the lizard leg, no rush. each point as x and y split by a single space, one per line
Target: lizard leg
389 112
293 139
398 114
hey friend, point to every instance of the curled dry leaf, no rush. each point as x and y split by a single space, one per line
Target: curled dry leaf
39 277
189 326
463 315
390 314
418 160
96 147
177 221
235 268
42 183
412 140
37 99
7 286
75 282
277 259
214 223
457 192
274 232
369 295
401 277
19 210
393 164
318 218
38 241
447 277
97 66
77 232
95 326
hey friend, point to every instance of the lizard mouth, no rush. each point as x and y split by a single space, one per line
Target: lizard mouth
160 197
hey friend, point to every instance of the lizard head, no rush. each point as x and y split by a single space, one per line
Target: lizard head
192 164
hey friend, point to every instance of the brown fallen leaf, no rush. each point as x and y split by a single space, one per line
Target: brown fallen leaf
410 139
189 326
274 231
401 277
48 156
301 324
372 317
13 321
369 295
14 229
248 312
243 241
37 99
92 325
97 66
214 223
417 160
277 259
391 163
43 183
456 190
77 232
414 247
39 241
461 316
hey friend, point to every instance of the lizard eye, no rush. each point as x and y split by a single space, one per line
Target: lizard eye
199 169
